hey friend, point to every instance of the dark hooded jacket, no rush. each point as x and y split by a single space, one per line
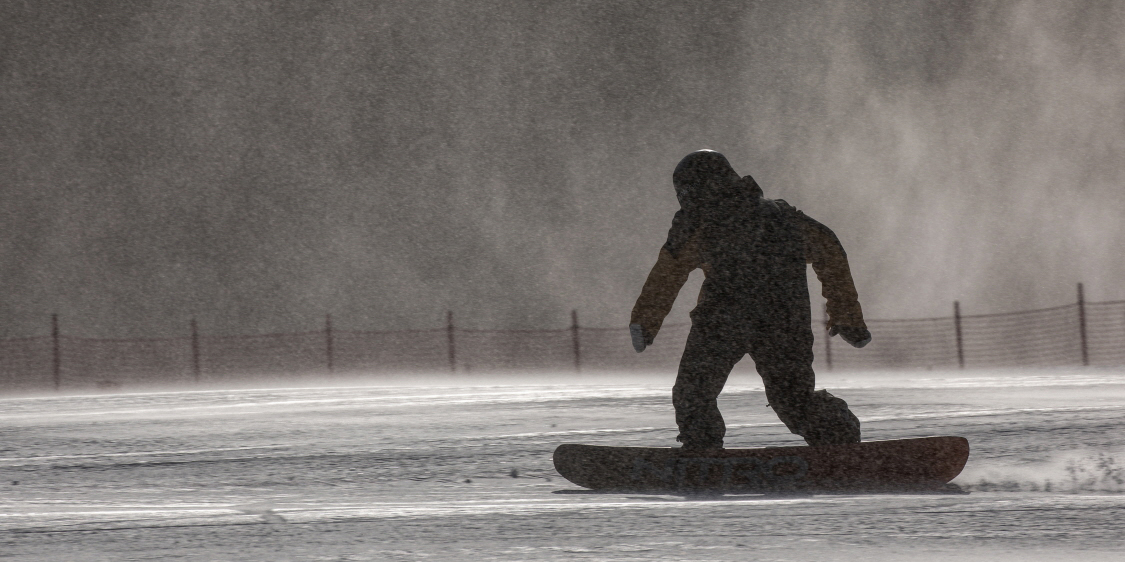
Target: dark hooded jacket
753 252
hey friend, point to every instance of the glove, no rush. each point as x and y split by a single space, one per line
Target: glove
641 340
857 337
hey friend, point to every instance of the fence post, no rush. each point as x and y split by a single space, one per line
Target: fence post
827 340
452 347
195 350
57 359
957 327
328 340
574 338
1082 325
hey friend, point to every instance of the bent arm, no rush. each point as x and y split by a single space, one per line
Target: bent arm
830 263
663 284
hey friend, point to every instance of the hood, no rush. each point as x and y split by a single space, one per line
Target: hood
705 178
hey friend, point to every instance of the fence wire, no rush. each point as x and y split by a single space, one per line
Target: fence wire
1075 334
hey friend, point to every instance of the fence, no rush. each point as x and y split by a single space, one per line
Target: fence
1081 333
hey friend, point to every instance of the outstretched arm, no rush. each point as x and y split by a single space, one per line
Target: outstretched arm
830 263
659 293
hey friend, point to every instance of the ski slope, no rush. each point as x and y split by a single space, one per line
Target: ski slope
448 468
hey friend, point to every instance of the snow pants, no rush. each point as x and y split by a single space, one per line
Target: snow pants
783 356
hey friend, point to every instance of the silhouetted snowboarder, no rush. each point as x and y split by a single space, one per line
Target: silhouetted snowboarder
753 252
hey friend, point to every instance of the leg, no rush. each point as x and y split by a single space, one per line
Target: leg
709 356
784 360
787 376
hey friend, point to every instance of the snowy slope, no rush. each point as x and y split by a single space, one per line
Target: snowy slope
460 469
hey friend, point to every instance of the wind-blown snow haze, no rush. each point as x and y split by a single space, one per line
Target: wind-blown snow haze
256 166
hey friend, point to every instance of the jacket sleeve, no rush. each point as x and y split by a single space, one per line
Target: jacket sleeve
664 283
830 263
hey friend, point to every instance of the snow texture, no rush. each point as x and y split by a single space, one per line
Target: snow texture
460 469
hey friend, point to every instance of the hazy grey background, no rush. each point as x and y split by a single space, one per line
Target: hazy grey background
257 166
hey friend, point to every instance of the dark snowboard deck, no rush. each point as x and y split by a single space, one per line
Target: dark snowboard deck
924 464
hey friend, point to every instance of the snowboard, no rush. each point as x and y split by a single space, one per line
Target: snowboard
922 464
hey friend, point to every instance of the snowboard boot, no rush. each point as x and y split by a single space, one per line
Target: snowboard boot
698 447
829 421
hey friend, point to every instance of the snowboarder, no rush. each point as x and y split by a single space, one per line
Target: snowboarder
754 300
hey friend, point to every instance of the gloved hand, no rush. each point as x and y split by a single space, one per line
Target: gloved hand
641 340
857 337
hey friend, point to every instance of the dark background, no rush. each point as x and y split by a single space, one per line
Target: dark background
256 165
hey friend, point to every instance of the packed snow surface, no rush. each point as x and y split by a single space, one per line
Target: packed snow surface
459 468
